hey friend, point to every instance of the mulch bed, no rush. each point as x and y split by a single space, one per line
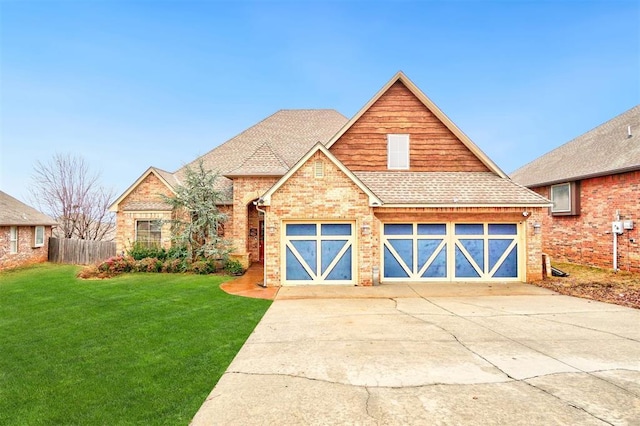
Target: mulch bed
620 288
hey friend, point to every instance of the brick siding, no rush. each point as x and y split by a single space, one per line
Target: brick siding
147 191
586 238
27 254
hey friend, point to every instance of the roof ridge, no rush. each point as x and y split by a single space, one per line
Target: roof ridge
250 157
228 140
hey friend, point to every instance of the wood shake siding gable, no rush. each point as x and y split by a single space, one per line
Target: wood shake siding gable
433 147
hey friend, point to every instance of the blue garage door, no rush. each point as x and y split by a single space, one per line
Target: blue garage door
318 253
450 251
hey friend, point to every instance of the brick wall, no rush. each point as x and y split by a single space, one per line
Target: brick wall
332 197
336 197
586 238
245 216
146 192
27 254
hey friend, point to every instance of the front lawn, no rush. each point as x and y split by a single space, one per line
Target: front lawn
136 349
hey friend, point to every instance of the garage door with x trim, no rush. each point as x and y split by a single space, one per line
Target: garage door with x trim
450 251
318 253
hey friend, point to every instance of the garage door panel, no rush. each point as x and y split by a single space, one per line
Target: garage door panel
294 268
306 250
509 266
342 269
450 251
392 267
437 268
316 253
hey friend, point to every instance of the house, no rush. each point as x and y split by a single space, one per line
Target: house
397 193
594 184
24 233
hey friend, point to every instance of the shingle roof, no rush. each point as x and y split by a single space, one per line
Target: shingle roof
263 162
448 188
289 134
14 212
147 206
607 149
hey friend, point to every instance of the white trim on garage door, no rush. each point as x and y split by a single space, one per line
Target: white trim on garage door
450 251
318 253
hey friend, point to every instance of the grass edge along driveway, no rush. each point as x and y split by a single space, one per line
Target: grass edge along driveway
135 349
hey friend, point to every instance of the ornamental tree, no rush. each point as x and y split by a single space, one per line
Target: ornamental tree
197 220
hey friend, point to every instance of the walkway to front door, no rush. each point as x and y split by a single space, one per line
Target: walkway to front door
249 284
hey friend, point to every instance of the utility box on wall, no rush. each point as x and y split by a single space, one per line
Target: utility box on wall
616 227
627 224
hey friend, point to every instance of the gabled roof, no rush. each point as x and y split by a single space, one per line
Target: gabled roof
449 189
14 212
165 177
373 198
263 162
288 133
605 150
400 76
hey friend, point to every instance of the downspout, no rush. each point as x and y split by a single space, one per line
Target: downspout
615 244
264 236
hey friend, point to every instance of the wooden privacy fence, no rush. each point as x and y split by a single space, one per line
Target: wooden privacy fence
80 252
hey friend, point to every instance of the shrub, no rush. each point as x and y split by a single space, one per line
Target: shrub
177 252
139 251
116 265
202 267
174 265
233 267
148 264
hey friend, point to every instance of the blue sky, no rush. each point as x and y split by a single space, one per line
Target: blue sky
133 84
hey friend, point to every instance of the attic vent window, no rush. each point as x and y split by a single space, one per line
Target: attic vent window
397 152
318 169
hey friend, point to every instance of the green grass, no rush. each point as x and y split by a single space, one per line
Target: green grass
136 349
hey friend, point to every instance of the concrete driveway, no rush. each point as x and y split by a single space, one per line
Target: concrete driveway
425 354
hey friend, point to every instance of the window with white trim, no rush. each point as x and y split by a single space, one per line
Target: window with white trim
149 233
566 199
13 240
38 236
397 152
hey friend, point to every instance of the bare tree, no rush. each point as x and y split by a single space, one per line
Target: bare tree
67 190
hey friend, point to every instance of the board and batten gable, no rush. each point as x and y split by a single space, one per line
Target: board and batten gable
433 147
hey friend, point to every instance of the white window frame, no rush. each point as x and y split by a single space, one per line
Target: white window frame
398 146
38 242
570 197
13 240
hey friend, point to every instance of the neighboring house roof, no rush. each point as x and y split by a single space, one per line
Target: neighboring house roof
373 198
14 212
605 150
448 189
165 177
399 76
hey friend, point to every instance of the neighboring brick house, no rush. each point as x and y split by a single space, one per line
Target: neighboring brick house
398 193
24 233
593 181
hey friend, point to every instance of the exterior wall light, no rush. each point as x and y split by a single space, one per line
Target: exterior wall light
536 228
